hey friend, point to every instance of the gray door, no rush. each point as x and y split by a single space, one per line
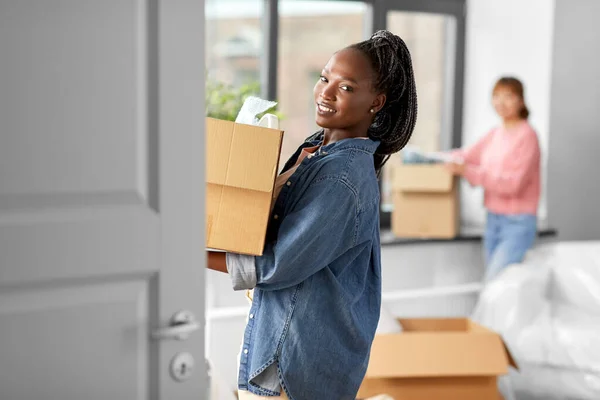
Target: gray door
101 198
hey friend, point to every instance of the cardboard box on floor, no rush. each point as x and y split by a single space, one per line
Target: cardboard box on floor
437 359
425 202
241 167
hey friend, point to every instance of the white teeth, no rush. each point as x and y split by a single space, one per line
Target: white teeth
326 109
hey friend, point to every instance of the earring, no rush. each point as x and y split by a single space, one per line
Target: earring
372 110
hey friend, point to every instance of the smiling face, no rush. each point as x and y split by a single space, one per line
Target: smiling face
344 94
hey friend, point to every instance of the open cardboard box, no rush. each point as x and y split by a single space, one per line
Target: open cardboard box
437 359
425 200
241 167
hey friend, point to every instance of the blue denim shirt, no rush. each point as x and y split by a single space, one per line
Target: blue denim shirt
317 292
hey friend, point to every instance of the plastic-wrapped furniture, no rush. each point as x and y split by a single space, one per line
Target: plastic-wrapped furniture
548 311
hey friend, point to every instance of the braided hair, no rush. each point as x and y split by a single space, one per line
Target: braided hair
394 123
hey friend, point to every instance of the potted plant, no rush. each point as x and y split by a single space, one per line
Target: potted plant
224 101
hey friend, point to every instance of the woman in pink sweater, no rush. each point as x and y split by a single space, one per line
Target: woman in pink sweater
506 163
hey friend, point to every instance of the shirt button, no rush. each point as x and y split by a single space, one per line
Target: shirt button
289 183
275 216
245 351
251 316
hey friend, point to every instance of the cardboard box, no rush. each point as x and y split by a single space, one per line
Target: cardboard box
437 359
425 202
241 167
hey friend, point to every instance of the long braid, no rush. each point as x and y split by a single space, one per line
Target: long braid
394 123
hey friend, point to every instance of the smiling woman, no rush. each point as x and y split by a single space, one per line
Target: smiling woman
345 96
387 85
317 286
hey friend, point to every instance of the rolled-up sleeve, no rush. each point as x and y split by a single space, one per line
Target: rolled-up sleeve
242 271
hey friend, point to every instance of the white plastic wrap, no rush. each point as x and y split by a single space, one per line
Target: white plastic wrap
548 311
505 386
540 382
576 274
512 300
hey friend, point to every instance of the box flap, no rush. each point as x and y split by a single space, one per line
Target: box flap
511 359
435 324
475 327
422 178
242 156
443 349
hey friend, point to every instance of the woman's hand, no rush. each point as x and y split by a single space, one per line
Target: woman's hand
455 168
216 261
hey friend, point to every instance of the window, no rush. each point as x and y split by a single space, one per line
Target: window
234 41
309 33
303 34
426 36
434 32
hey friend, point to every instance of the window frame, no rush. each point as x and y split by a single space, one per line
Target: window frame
455 60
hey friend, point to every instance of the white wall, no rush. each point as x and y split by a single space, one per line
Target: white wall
506 37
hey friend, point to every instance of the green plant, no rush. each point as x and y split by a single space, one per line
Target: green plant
224 101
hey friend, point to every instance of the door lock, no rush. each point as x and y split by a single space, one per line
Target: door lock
182 366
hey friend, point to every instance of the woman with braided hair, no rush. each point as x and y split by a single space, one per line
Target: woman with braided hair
317 286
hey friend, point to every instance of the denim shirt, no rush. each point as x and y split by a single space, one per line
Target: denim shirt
317 286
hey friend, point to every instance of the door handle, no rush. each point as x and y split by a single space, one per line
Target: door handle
181 326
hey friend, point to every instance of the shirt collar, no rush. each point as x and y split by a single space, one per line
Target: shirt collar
365 144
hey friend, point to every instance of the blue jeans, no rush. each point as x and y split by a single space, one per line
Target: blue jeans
507 239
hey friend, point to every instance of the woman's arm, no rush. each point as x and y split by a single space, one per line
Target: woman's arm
510 178
472 154
320 228
216 261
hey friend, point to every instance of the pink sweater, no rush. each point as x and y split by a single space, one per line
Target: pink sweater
506 162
